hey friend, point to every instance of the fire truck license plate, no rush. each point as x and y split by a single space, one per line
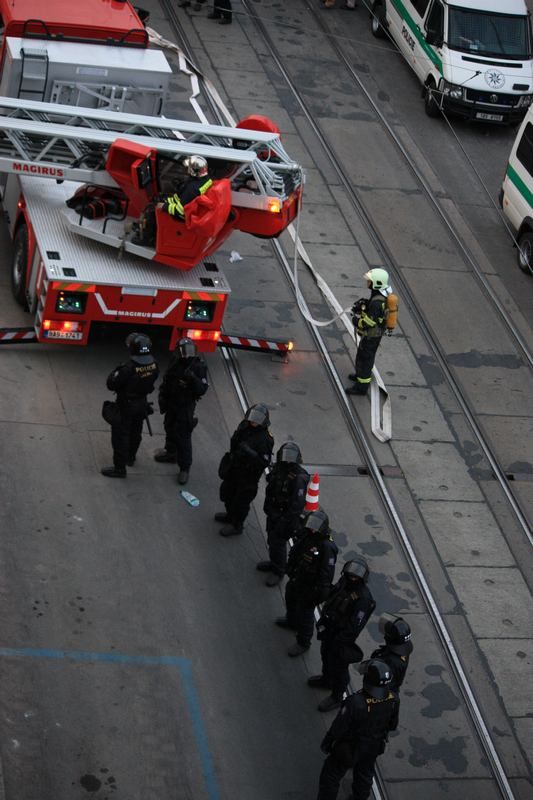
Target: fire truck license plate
491 117
76 335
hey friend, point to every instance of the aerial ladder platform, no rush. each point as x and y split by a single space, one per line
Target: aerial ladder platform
132 159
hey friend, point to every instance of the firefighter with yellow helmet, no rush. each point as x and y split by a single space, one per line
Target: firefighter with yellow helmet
372 318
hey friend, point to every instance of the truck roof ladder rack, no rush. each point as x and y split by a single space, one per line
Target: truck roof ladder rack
33 73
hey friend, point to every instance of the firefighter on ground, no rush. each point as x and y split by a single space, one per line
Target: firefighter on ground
370 321
132 382
184 383
343 617
284 504
310 568
396 650
242 466
195 183
359 733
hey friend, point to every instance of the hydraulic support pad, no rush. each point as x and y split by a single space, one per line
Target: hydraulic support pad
259 345
17 335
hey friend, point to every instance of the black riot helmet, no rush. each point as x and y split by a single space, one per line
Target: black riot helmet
316 521
186 348
377 679
357 567
289 453
140 348
397 634
258 414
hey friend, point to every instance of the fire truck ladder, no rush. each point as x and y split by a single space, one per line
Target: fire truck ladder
38 138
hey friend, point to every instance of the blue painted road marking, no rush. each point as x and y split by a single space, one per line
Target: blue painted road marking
182 664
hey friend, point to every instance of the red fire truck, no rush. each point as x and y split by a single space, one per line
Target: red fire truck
73 269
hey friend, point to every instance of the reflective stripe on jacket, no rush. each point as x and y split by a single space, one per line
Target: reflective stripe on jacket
174 205
372 320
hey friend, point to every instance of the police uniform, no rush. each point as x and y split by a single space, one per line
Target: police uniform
311 568
397 662
370 325
356 737
184 382
284 503
132 382
249 455
344 615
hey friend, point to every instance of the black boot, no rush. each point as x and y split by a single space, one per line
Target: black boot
318 682
164 457
114 472
231 530
183 476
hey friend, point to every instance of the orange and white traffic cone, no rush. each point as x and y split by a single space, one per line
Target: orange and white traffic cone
311 498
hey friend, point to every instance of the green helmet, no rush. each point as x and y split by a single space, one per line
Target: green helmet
379 278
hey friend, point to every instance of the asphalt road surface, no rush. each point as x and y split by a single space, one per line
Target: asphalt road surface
138 658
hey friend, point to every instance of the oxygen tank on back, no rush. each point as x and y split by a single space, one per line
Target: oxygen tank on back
392 312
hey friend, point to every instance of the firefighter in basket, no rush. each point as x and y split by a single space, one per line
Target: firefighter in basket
195 183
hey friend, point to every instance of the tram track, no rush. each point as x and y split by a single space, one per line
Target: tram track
421 320
362 441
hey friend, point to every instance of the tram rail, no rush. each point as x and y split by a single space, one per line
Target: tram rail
421 319
357 431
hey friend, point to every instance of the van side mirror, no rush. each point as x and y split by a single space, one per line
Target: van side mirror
434 36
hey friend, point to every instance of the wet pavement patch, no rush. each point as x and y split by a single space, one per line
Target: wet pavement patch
430 370
450 751
440 698
474 359
90 782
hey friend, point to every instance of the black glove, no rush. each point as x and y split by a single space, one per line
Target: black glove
357 309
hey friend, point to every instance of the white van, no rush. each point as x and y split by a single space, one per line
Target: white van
473 57
516 195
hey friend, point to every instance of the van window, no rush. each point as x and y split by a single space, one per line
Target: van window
435 22
524 152
489 34
421 6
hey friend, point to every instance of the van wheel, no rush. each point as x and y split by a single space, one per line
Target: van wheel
525 252
377 16
19 269
430 104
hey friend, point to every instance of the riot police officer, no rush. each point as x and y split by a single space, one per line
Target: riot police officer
184 382
369 318
396 650
310 567
242 466
359 733
343 617
132 382
284 503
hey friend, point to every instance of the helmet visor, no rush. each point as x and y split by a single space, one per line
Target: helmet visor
289 453
385 621
258 415
187 348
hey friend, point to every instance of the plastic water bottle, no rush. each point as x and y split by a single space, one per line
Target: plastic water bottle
190 498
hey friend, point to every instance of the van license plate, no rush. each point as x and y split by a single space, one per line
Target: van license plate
491 117
72 335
